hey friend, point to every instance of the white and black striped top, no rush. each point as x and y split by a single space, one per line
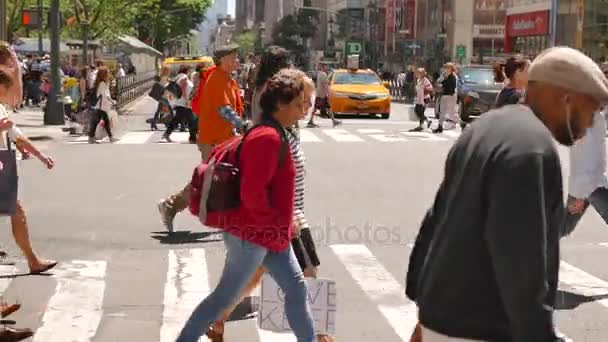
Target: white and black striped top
297 154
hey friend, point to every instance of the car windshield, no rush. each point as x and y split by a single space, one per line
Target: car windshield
356 78
478 76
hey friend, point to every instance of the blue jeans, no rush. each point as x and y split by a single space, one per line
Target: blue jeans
242 260
598 199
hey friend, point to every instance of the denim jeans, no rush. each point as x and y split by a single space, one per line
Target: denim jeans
242 260
598 199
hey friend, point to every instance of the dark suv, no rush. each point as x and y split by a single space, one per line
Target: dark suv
477 91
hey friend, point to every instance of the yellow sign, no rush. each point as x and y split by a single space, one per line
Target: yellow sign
580 18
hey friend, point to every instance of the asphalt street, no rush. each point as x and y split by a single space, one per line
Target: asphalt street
368 185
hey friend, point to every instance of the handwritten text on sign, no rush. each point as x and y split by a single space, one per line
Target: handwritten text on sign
321 297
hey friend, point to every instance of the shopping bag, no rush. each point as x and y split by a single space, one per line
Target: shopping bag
100 131
8 180
321 297
117 124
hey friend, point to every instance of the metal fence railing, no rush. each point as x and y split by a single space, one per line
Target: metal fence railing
129 88
400 91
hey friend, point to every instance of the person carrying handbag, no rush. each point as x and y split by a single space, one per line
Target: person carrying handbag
102 104
11 93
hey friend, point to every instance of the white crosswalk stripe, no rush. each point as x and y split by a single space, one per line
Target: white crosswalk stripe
186 284
307 135
75 309
380 286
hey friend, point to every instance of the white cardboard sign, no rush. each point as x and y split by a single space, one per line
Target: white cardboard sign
321 297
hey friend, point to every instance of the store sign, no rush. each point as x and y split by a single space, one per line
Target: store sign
489 31
528 24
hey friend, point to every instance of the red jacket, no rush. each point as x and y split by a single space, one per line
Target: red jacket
265 216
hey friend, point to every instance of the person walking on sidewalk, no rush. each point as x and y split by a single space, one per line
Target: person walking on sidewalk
218 116
494 228
323 98
183 113
515 74
274 59
587 183
424 88
103 105
447 107
259 231
11 93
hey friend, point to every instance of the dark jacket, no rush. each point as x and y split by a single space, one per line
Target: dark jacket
449 85
508 96
486 259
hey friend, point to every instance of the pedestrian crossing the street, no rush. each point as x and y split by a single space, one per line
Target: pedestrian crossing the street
307 135
77 306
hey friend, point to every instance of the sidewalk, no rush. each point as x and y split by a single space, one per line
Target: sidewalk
31 121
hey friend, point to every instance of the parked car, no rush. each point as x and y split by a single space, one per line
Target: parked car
477 91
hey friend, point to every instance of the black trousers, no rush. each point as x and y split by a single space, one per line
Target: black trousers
96 118
419 110
183 114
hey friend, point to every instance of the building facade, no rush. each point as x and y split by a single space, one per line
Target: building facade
251 14
207 28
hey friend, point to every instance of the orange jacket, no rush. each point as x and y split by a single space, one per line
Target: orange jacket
219 90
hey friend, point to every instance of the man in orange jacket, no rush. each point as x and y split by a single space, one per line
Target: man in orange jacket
219 109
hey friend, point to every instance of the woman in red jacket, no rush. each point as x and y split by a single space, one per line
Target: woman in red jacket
259 232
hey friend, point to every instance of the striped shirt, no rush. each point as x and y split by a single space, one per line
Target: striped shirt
297 154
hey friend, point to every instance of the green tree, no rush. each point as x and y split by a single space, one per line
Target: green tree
246 41
158 22
99 19
292 33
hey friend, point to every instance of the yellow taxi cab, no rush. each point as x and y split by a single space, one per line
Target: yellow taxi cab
174 63
358 92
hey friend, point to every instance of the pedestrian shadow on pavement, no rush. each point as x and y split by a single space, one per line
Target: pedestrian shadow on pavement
186 236
26 274
569 301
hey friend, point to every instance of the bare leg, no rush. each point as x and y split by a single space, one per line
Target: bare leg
22 238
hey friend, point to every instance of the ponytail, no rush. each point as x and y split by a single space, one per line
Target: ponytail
499 73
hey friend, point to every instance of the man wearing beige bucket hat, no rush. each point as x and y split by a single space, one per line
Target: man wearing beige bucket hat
492 234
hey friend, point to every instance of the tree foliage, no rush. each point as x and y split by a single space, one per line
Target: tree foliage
160 21
107 19
293 31
246 41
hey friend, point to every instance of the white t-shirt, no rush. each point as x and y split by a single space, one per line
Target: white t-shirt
322 84
181 102
13 133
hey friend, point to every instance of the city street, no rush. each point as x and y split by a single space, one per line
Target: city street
122 278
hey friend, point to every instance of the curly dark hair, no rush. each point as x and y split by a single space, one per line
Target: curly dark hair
282 88
274 59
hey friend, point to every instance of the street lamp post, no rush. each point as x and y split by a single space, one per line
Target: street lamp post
40 27
85 42
54 114
3 28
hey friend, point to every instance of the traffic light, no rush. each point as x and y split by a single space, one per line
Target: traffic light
30 18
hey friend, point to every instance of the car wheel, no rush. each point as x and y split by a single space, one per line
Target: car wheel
386 115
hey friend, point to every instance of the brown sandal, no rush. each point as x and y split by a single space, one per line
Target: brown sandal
214 336
6 309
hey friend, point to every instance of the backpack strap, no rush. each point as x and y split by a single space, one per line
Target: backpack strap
280 130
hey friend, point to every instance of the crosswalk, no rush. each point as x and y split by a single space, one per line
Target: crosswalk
77 308
307 135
